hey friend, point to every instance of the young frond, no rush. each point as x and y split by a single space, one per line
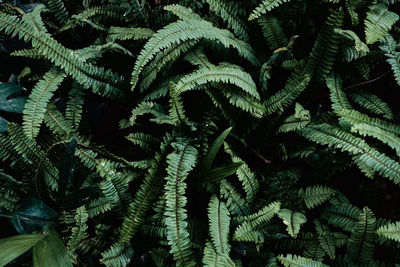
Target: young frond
378 22
390 231
361 243
315 195
264 7
36 105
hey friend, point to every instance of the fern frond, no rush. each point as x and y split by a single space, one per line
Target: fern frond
186 30
228 11
35 107
145 141
247 230
378 22
354 117
264 7
338 97
9 199
180 163
144 197
234 201
389 47
297 121
326 238
88 75
293 220
73 112
219 223
56 121
211 258
390 231
34 18
272 32
120 33
58 9
297 261
328 135
78 232
390 139
323 54
283 98
315 195
372 103
361 243
343 216
117 256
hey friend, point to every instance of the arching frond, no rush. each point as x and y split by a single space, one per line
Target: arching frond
378 22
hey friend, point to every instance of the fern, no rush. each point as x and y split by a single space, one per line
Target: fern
316 195
73 112
117 255
185 30
360 245
119 33
273 32
264 7
58 9
390 231
389 47
297 261
378 22
293 220
338 97
329 135
36 105
373 104
326 239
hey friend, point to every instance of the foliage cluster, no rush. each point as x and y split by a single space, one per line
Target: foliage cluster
199 133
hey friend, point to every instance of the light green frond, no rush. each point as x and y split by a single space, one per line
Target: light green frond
392 56
378 22
211 258
219 223
390 231
297 121
34 19
180 163
41 94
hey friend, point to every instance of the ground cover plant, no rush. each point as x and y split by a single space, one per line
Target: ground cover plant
199 133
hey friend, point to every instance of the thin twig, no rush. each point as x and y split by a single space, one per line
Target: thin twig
259 155
366 82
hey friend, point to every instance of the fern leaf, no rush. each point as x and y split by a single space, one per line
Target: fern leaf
343 216
35 107
293 220
58 9
390 231
283 98
35 19
326 238
297 121
361 243
234 201
73 112
331 136
180 163
338 97
272 32
117 256
264 7
79 232
372 103
186 30
378 22
389 47
144 197
315 195
120 33
219 222
213 259
247 230
297 261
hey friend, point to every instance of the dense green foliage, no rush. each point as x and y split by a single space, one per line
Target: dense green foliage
199 133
